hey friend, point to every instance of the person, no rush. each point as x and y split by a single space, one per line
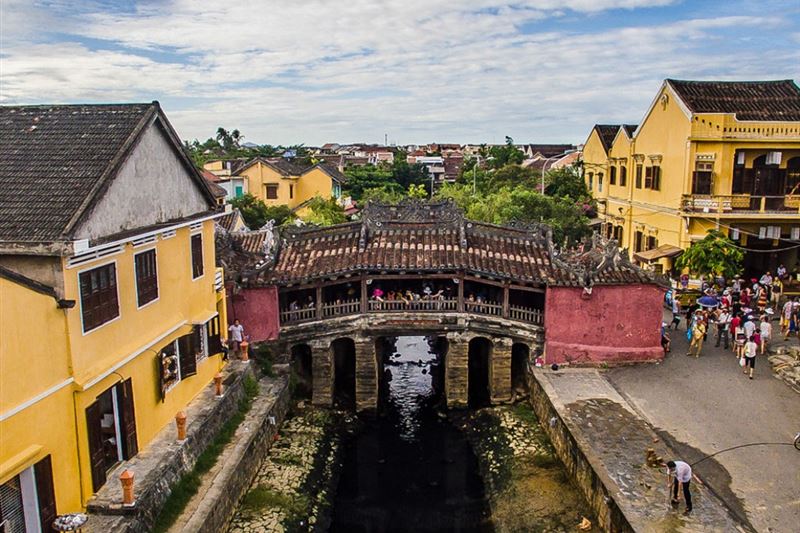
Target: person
676 313
665 340
781 272
749 327
681 475
762 298
377 294
236 336
786 314
698 335
765 329
792 330
723 325
741 340
684 281
735 325
750 351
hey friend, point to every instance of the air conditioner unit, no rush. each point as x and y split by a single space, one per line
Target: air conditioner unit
773 158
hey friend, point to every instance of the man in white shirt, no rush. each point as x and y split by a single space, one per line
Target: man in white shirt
236 337
723 326
681 474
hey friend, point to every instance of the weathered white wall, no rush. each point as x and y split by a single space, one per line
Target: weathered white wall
151 187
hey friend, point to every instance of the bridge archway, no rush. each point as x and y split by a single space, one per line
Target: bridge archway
520 355
343 351
301 365
479 369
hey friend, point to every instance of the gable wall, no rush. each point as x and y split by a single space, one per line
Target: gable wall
151 187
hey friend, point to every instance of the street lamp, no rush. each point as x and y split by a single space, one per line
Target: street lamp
544 167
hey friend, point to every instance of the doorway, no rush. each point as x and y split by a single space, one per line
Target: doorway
111 428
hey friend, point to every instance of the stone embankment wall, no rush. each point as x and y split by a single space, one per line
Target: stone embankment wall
594 487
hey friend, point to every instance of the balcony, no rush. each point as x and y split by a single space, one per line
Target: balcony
740 204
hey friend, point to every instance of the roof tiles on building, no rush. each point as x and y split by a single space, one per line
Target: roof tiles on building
748 100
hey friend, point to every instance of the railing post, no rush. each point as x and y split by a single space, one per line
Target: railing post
319 301
763 204
363 295
461 294
505 301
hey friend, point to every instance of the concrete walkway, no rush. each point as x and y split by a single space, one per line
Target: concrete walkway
706 405
614 440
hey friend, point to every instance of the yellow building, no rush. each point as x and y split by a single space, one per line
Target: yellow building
279 182
111 306
707 155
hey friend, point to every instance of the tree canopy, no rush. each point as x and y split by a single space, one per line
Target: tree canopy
715 255
228 145
324 212
389 180
255 213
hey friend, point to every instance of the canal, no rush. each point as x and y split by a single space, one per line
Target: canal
409 468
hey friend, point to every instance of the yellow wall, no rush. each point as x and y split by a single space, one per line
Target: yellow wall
595 160
292 190
40 342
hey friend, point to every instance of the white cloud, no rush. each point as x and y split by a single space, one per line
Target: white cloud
420 70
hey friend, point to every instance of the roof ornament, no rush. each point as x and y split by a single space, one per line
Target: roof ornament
268 246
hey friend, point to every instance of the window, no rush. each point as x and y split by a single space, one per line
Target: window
291 191
638 239
27 500
272 191
591 179
238 191
652 243
623 176
178 359
612 175
618 234
599 182
701 179
197 255
652 178
638 179
146 277
793 176
99 303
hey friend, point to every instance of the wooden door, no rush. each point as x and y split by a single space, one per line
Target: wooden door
45 493
97 460
127 420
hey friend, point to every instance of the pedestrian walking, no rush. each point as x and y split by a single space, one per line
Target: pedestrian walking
681 476
665 340
676 313
750 351
786 315
698 333
723 327
765 329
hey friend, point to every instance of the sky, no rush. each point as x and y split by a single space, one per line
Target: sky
417 71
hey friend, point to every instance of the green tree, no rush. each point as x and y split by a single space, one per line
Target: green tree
417 192
566 183
324 212
369 177
255 213
715 255
500 156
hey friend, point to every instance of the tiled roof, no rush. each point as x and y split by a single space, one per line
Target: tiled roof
230 220
549 150
52 158
287 168
748 100
331 170
251 242
630 128
216 190
607 132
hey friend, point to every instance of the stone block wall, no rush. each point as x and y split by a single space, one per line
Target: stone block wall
501 370
456 380
366 374
610 517
321 374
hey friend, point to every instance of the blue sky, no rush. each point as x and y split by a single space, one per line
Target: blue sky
419 70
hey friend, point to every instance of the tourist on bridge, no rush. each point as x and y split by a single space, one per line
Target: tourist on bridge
681 475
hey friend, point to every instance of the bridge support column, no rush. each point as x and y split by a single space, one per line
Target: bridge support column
322 376
456 377
366 374
501 370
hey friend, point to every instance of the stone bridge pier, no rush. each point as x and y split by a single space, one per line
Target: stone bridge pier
479 369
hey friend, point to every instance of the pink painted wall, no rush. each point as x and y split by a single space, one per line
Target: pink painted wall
257 309
615 324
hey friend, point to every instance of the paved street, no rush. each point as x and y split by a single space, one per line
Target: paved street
705 405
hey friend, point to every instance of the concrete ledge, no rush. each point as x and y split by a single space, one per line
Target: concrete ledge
236 468
162 463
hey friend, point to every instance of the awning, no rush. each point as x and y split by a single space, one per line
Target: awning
595 221
665 250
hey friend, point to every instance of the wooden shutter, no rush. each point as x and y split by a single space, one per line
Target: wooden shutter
45 493
197 255
96 455
213 333
130 447
187 355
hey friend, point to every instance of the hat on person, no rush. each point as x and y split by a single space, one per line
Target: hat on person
663 324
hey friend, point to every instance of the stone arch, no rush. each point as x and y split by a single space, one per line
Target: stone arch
301 362
343 351
479 372
520 357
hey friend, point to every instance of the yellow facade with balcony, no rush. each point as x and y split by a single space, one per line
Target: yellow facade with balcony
112 310
707 155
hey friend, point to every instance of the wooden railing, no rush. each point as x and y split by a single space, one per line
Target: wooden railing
347 307
413 305
525 314
353 307
483 308
298 315
740 203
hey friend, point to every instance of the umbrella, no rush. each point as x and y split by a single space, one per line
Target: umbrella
708 301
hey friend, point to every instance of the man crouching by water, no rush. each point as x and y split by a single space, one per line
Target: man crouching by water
681 474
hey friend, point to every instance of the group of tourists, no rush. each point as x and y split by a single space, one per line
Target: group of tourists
407 296
737 313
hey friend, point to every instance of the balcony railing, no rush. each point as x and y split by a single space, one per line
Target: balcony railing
740 203
353 307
